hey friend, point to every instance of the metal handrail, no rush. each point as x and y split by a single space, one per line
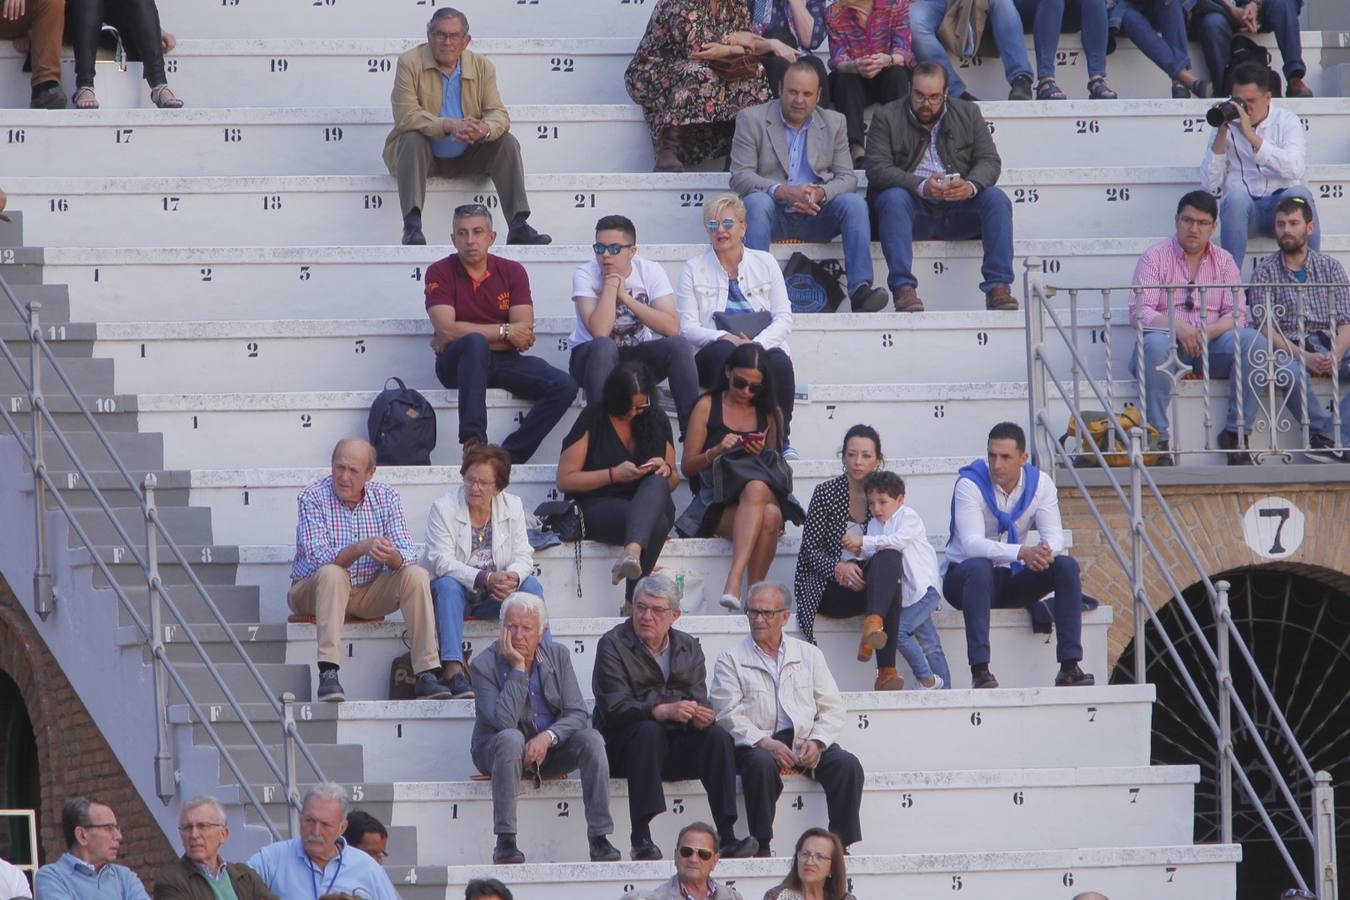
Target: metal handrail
159 593
1321 832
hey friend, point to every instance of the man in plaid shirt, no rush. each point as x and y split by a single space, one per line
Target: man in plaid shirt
354 555
1304 323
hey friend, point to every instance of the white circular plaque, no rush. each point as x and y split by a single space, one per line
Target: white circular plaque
1273 527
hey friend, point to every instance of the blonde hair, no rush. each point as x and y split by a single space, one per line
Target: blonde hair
714 208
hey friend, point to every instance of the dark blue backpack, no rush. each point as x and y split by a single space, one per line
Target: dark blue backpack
402 426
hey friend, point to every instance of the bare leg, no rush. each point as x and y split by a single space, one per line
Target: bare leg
766 543
746 519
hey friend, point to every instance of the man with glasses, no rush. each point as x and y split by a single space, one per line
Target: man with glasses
320 861
483 315
931 169
86 870
625 310
365 832
776 696
1209 323
449 121
201 873
695 858
651 707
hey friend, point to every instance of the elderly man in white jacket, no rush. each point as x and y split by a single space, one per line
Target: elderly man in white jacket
478 552
777 698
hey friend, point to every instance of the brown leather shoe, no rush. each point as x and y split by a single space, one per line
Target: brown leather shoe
889 680
668 152
873 637
1000 299
1296 88
907 300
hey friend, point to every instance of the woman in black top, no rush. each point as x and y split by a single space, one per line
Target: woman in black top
618 464
137 21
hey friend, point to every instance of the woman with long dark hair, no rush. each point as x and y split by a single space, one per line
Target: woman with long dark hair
618 464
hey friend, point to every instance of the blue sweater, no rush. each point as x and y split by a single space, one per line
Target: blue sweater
71 878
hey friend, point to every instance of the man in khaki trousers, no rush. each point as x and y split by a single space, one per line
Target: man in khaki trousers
40 22
354 556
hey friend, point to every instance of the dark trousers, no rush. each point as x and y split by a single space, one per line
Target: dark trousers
645 520
853 93
471 367
838 772
775 67
136 20
650 752
976 586
666 358
712 359
498 160
1214 33
880 596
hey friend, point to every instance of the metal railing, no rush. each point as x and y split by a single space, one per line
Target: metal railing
32 442
1315 820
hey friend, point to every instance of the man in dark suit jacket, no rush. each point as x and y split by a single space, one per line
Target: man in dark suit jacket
530 718
651 705
790 163
931 168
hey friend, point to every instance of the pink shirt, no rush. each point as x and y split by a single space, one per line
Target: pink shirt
1165 263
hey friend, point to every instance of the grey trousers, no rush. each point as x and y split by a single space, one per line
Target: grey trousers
502 758
499 160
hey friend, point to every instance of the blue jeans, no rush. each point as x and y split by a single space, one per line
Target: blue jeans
976 586
1320 420
1158 385
1214 33
903 218
846 215
453 602
918 639
1159 31
926 15
1241 215
1045 18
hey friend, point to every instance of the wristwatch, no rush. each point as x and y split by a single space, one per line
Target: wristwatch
552 736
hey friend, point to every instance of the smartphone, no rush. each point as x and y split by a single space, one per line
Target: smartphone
752 437
949 178
648 467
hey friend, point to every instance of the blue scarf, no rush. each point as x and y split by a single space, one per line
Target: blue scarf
978 472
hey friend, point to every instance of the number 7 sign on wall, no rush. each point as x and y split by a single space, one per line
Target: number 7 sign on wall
1273 527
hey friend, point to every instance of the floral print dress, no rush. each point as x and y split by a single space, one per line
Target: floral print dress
676 91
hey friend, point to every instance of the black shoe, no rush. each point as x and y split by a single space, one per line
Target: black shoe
1165 457
1180 91
506 853
764 851
522 232
412 231
330 689
1320 450
983 680
744 848
48 96
866 298
1074 677
429 687
603 851
459 687
1021 88
968 97
1228 440
644 851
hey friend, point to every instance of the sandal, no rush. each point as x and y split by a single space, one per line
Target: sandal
84 98
164 98
1098 89
1047 89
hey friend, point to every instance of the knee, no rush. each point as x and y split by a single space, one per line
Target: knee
759 203
414 578
756 493
473 345
996 202
773 519
604 353
648 733
852 208
978 574
333 576
563 385
591 745
759 764
507 143
678 347
531 585
895 201
1065 566
507 746
446 589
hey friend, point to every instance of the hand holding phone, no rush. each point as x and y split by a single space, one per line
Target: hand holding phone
753 438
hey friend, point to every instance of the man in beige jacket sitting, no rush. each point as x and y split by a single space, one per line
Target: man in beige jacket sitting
449 121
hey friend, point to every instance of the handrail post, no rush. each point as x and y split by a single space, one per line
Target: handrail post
44 600
1036 390
165 782
1225 678
1324 828
288 752
1137 552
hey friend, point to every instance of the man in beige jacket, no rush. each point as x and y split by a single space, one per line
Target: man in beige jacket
449 120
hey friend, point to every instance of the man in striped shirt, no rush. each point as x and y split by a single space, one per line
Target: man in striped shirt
354 556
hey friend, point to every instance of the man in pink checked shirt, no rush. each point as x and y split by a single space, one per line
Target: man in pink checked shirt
1190 258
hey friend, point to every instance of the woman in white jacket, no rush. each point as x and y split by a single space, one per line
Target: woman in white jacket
730 295
478 553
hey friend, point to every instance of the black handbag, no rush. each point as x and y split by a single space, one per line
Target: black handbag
813 287
563 518
747 324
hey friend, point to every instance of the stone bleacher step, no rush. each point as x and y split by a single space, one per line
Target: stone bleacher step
237 603
280 677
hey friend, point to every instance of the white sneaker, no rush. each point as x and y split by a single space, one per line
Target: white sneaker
937 684
790 453
731 602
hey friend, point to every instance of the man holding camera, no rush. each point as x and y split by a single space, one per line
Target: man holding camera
1257 158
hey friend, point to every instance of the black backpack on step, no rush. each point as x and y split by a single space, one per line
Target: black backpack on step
402 426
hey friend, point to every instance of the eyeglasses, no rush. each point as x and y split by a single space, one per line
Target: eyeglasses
611 249
112 827
469 210
745 384
481 484
763 613
811 856
648 608
704 854
380 855
713 225
928 99
199 826
447 37
1298 894
1188 222
639 410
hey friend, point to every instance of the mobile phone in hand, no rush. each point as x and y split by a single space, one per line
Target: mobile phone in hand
753 437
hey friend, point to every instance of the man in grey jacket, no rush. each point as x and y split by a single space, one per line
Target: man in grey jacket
530 718
931 169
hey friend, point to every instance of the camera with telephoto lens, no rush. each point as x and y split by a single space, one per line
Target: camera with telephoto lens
1224 111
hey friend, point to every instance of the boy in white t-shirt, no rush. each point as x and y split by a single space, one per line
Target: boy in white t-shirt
625 308
894 526
12 881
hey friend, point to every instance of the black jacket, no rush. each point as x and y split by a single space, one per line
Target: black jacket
627 682
896 143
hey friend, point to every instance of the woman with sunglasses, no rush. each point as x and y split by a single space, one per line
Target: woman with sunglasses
618 464
730 295
817 871
737 428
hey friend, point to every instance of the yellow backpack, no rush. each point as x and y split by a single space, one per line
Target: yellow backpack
1100 432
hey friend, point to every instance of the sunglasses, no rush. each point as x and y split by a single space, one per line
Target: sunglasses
686 851
611 249
745 384
714 226
469 210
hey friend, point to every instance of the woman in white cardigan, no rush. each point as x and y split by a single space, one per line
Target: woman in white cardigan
730 295
478 552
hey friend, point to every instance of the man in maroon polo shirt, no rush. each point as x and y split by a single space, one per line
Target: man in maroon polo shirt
481 309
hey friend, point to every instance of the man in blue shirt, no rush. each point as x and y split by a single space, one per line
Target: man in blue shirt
86 870
319 861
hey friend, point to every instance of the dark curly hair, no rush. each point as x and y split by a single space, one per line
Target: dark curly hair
651 431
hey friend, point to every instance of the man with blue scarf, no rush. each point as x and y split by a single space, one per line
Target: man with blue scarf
995 503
